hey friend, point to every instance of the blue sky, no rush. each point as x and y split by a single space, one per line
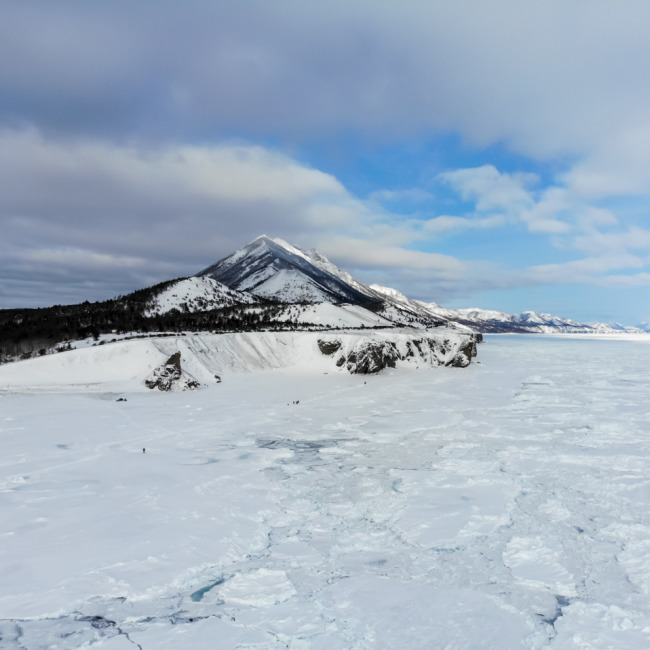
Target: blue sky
474 154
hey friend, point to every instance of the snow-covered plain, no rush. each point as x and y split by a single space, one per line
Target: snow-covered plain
504 505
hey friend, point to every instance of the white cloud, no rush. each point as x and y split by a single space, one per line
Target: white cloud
80 259
569 217
552 80
409 195
491 189
591 270
510 195
114 213
625 281
617 165
367 253
595 242
444 224
104 218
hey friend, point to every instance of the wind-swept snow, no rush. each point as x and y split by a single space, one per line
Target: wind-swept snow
505 505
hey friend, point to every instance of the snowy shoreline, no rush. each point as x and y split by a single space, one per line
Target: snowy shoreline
604 336
206 357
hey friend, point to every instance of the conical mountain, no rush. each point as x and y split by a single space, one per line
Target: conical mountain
272 268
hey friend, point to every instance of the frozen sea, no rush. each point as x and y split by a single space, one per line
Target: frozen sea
505 505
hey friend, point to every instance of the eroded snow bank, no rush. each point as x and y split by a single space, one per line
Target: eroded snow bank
206 357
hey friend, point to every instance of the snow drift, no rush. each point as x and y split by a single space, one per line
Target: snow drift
207 357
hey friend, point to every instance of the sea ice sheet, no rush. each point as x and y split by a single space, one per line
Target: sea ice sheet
504 505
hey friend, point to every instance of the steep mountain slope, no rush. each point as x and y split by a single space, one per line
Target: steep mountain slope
401 310
274 269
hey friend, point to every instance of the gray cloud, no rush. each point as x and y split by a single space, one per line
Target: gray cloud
117 164
100 218
548 78
84 218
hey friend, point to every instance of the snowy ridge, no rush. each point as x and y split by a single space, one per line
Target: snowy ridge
393 294
205 355
197 294
274 269
612 328
404 311
323 263
333 316
288 286
529 322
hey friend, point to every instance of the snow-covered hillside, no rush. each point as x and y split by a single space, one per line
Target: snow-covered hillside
197 294
275 269
206 357
326 314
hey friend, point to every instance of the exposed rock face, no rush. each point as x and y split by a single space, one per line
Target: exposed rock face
465 354
329 347
170 375
371 354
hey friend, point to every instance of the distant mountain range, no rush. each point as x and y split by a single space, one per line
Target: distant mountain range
273 269
266 285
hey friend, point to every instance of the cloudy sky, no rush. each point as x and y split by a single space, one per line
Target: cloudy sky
470 153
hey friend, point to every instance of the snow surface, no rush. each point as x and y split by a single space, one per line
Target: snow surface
287 285
505 505
197 294
392 293
126 364
328 314
275 269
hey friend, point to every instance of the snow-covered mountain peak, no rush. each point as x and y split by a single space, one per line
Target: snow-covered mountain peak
273 268
391 293
294 250
275 244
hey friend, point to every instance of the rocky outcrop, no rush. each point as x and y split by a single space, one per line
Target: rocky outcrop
466 353
170 376
328 347
371 354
